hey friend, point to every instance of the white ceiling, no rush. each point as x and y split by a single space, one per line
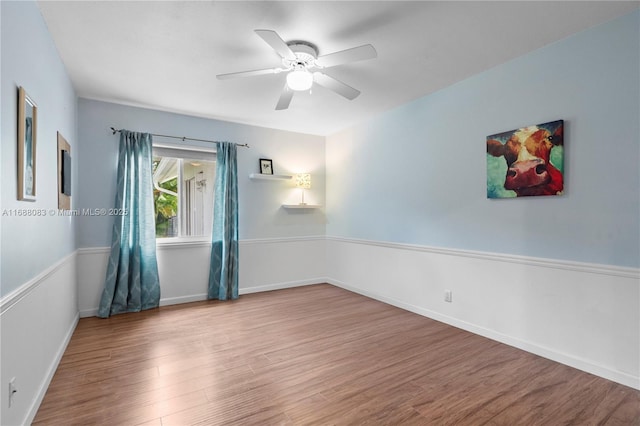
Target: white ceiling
165 55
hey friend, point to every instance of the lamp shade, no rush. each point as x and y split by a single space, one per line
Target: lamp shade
300 80
303 180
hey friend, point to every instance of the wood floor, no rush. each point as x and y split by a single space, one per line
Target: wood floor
315 355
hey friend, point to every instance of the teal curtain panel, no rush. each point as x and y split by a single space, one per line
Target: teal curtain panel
131 282
223 269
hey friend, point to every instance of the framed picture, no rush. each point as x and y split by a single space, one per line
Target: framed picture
27 132
64 173
266 166
526 162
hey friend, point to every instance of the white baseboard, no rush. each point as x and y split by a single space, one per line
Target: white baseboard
281 286
86 313
183 299
203 296
163 302
241 291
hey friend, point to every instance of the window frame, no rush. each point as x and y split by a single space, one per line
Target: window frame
200 152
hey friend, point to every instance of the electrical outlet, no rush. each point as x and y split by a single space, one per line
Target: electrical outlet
12 390
448 296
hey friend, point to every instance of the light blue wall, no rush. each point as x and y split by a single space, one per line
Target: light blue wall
30 244
417 174
261 214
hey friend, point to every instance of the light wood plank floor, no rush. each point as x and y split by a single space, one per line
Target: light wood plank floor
313 355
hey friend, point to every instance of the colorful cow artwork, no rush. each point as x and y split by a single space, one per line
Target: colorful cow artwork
526 162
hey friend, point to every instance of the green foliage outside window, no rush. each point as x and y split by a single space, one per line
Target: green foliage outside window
166 206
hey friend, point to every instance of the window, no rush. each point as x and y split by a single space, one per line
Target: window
183 184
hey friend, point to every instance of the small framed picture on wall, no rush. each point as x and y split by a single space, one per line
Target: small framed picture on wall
266 166
64 173
27 132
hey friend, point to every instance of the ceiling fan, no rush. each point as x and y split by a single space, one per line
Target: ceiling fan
302 64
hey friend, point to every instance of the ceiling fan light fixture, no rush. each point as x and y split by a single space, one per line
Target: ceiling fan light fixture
300 80
302 64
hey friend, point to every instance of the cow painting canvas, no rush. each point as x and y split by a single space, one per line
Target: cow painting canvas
526 162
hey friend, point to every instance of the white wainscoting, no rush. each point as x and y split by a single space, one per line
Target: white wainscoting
275 263
36 324
583 315
265 264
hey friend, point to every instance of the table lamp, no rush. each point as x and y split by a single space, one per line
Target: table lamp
303 181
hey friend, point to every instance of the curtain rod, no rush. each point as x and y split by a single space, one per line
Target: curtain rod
245 145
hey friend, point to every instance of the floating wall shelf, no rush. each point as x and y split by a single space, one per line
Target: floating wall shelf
301 206
258 176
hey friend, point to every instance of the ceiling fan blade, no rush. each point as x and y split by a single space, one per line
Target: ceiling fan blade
350 55
249 73
285 98
273 39
336 85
